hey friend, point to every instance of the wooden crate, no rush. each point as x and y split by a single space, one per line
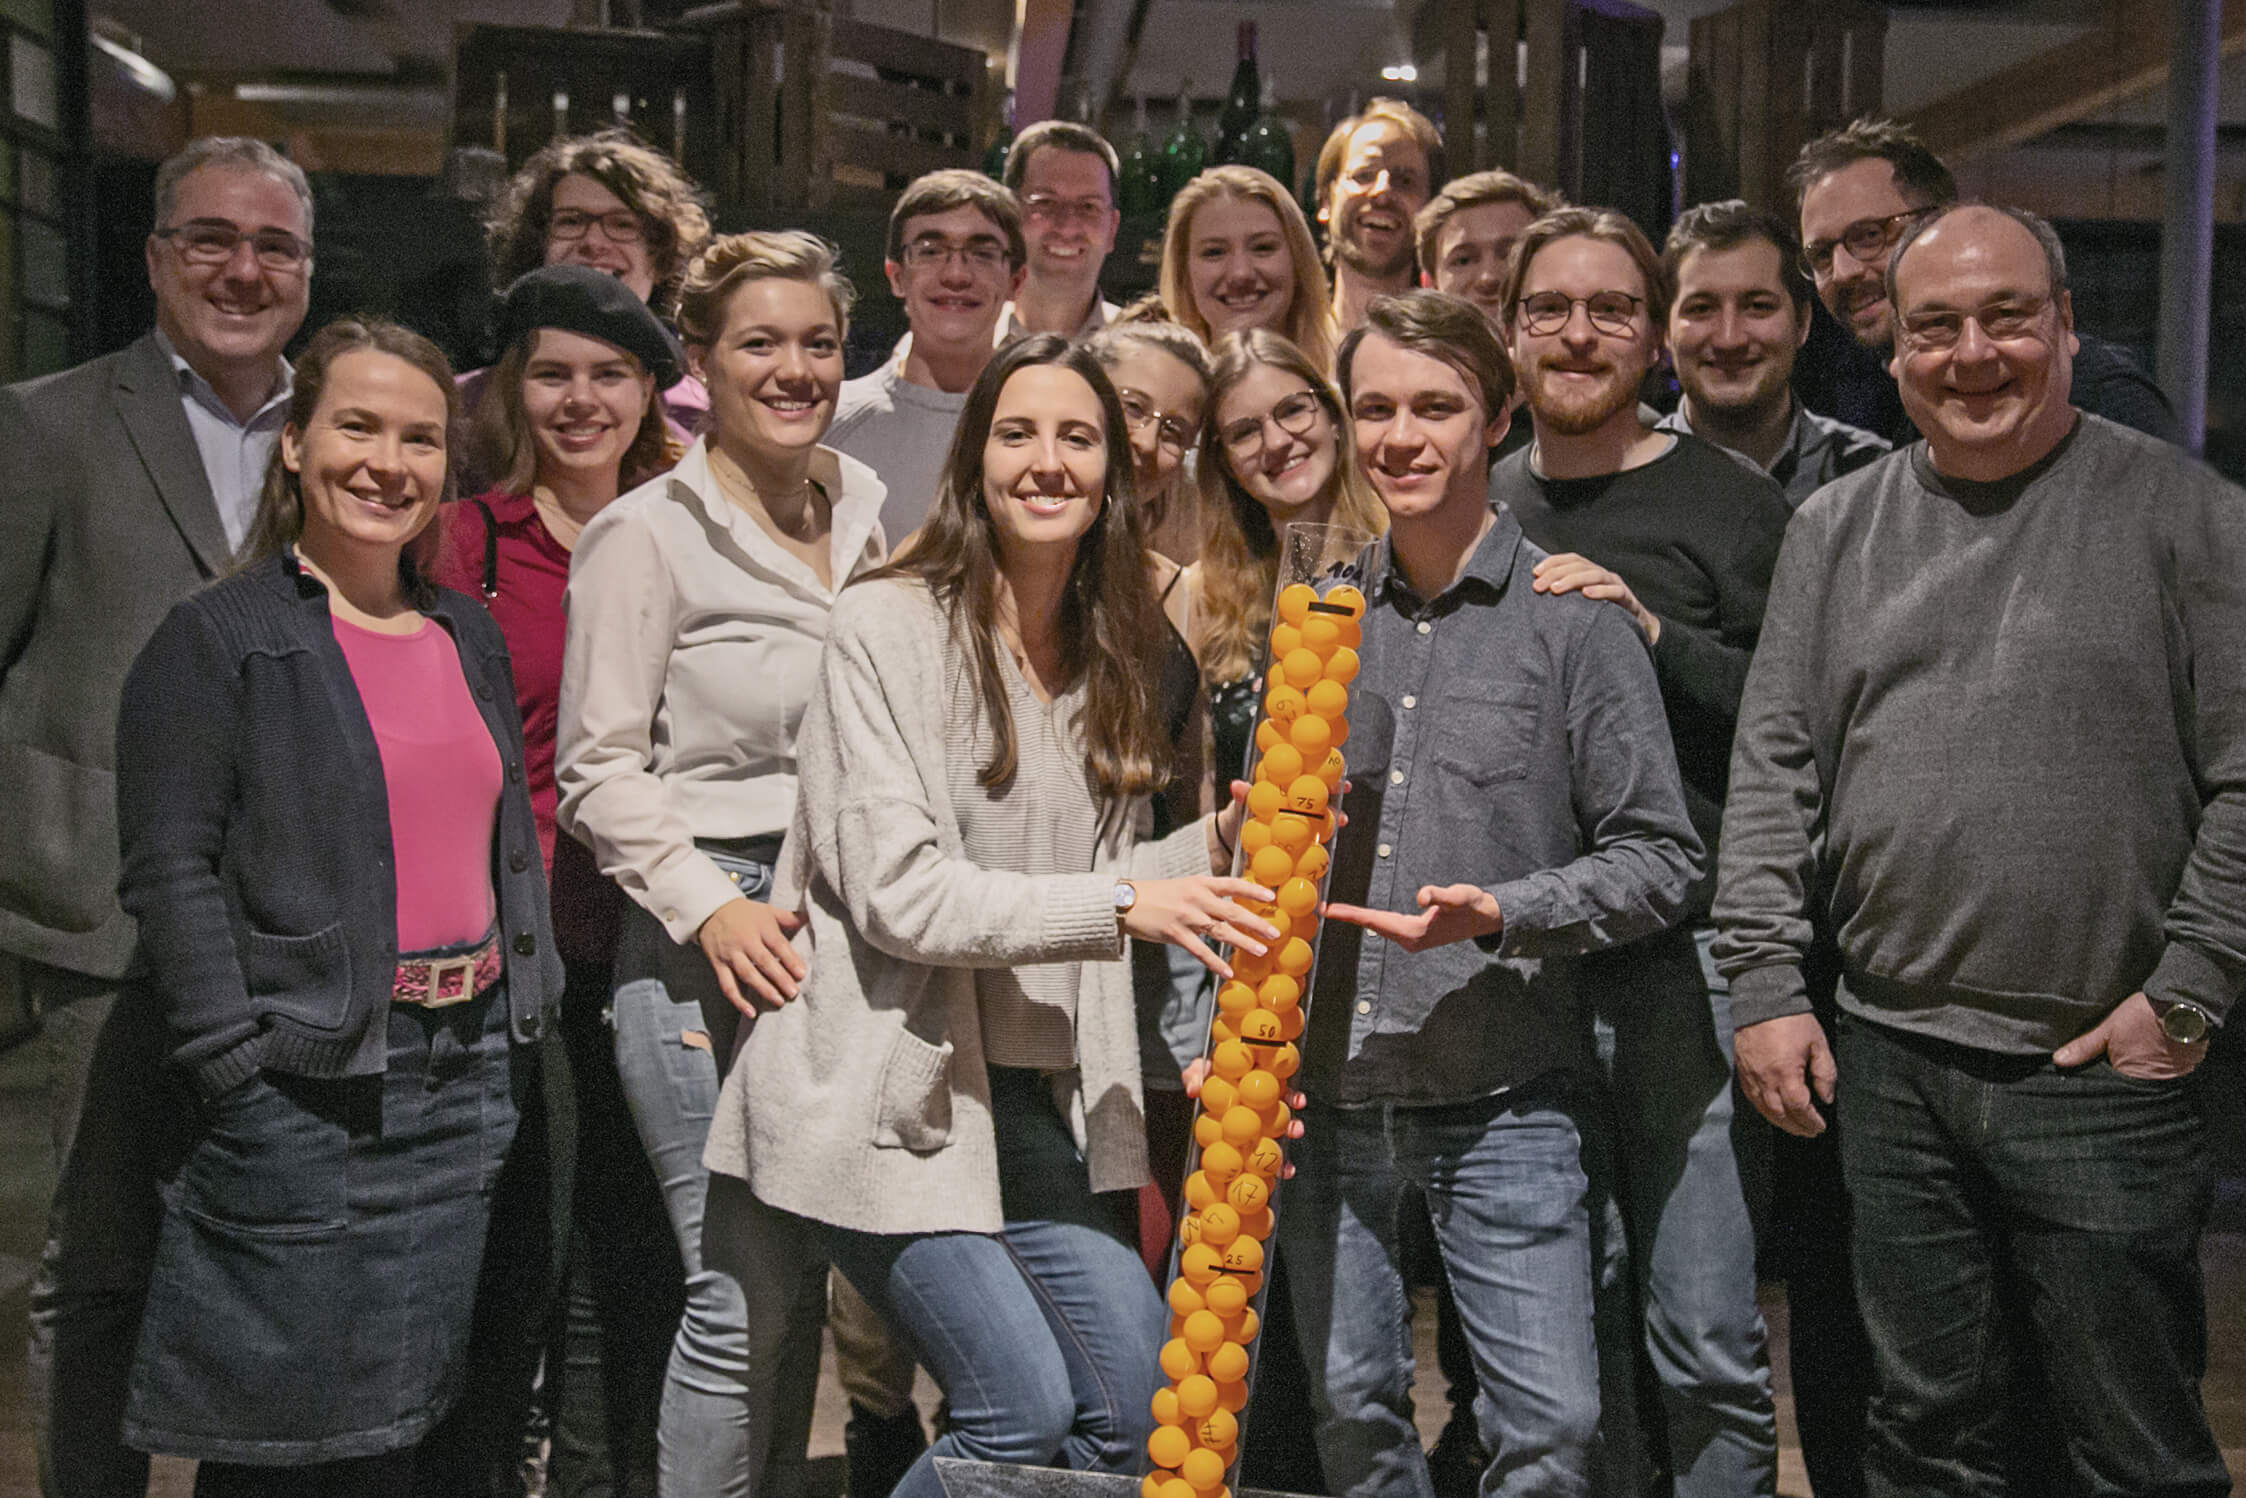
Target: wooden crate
514 88
1768 76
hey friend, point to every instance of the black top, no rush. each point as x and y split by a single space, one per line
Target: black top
1695 534
254 824
1510 739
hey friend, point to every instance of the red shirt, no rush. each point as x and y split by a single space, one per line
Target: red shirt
532 571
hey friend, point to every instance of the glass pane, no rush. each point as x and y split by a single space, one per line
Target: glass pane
35 175
46 276
31 75
35 15
46 343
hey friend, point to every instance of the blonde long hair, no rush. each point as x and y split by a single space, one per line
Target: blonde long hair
1310 320
1240 549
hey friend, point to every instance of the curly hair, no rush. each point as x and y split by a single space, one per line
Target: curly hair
648 182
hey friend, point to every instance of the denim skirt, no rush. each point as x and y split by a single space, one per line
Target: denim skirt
316 1272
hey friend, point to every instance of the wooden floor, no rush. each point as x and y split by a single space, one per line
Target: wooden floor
24 1184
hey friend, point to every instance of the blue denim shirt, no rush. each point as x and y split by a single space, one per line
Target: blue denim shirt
1514 740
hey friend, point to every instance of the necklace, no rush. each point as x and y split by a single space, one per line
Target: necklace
807 522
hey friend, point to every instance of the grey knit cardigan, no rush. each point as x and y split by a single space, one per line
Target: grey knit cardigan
864 1103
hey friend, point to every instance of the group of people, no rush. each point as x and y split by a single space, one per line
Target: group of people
548 887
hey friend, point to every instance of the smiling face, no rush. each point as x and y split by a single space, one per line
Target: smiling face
1162 398
775 369
1582 376
953 300
1852 289
585 400
1471 254
370 463
1381 186
1044 461
1282 469
579 199
1733 329
1420 430
1238 266
1069 216
238 313
1997 398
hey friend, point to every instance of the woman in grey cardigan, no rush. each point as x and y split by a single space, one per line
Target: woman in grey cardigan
956 1085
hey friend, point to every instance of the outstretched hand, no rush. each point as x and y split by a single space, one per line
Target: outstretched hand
1447 913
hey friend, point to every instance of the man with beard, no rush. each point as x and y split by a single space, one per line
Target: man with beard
1682 536
1860 188
1998 730
1375 172
1742 309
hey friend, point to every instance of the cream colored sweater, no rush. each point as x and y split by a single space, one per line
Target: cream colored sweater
864 1103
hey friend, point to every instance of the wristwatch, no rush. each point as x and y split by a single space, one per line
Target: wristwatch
2183 1022
1126 896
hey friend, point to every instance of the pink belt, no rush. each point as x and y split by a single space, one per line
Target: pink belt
434 982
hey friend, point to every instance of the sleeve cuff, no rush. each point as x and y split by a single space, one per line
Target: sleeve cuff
1080 923
688 895
1524 909
2188 974
220 1074
1767 993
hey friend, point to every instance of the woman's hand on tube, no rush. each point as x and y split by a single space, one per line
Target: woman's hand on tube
747 944
1196 910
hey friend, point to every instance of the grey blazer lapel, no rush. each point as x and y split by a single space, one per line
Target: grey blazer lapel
148 405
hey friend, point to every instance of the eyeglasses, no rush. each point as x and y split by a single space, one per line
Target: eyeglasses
1139 414
984 255
1867 239
618 225
206 241
1051 210
1935 332
1297 415
1547 312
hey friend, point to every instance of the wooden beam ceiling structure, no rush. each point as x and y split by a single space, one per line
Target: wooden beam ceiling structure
2060 85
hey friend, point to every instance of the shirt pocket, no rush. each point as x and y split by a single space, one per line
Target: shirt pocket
305 978
1489 732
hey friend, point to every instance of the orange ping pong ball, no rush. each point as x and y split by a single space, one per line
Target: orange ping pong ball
1233 1358
1165 1406
1342 666
1297 896
1293 958
1295 600
1290 1024
1274 866
1177 1359
1235 998
1199 1190
1177 1487
1319 633
1230 1060
1268 734
1311 734
1259 1089
1265 1157
1205 1131
1219 1430
1242 1127
1169 1445
1232 1394
1220 1162
1220 1224
1265 799
1307 793
1247 1193
1278 993
1226 1295
1150 1486
1326 699
1245 1331
1280 763
1199 1266
1255 836
1331 769
1283 704
1281 1064
1197 1395
1346 598
1310 861
1256 1224
1185 1300
1291 834
1301 667
1204 1330
1243 1255
1260 1028
1203 1468
1284 637
1189 1229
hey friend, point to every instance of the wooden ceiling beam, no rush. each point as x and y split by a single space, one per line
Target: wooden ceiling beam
2059 86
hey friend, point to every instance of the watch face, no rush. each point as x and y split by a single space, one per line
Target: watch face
2185 1024
1126 896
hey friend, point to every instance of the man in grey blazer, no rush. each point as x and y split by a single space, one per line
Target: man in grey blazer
130 482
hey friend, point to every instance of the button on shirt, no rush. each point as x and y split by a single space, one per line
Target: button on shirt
235 452
1513 740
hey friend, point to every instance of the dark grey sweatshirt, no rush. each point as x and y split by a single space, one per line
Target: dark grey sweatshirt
2017 713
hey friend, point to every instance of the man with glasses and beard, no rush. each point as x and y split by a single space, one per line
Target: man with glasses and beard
1860 188
1682 536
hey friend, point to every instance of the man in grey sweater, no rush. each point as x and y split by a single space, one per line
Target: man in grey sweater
1998 721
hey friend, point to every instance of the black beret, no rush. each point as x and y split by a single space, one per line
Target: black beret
579 299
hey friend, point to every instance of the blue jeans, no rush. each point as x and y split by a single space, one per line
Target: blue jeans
666 1058
1504 1187
2008 1210
1675 1236
1044 1338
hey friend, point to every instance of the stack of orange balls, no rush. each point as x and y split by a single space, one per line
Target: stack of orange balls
1244 1116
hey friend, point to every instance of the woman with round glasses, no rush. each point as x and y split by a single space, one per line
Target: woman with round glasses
1272 455
1238 255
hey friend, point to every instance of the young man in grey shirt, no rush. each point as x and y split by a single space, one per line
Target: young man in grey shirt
1998 725
1516 805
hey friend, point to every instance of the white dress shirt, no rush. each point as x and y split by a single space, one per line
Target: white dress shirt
693 646
235 452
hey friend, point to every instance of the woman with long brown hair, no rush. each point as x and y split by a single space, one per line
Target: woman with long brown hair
1272 455
1238 255
956 1085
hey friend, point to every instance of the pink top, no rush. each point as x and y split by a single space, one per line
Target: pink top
442 772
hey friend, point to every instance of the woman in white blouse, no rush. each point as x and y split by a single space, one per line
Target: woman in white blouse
698 608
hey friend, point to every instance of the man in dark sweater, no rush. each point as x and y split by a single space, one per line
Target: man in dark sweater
2002 719
1858 188
1683 536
